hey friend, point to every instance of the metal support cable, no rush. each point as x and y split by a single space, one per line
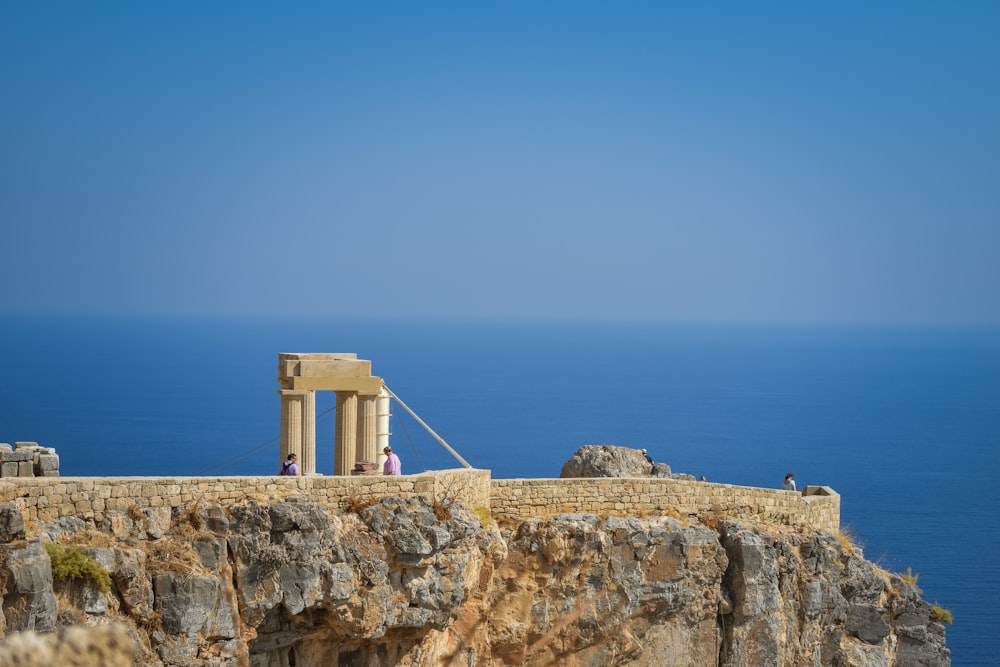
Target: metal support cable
429 429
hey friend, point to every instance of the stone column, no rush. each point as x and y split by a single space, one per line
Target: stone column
291 423
382 403
346 433
307 459
367 428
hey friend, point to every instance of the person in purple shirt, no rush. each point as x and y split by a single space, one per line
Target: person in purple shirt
290 467
392 465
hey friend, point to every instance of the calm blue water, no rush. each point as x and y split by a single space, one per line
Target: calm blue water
903 423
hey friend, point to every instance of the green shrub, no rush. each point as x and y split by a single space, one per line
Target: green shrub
909 577
72 563
940 614
484 515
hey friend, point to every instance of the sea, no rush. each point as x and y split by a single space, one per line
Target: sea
904 423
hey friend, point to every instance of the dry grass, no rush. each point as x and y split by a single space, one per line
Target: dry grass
88 537
68 613
190 516
355 503
941 615
167 556
484 515
711 519
174 552
151 622
848 541
674 514
442 509
910 577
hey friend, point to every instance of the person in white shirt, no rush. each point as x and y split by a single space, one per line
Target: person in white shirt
789 483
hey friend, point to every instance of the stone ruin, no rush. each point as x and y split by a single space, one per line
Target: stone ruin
28 459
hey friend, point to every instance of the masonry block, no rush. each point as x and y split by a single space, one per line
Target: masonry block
47 462
8 469
26 469
17 456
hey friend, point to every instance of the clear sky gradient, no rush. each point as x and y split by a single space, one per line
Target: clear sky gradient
777 162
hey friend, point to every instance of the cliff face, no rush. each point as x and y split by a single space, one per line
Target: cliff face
414 584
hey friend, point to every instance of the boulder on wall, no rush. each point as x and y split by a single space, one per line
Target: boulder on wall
615 461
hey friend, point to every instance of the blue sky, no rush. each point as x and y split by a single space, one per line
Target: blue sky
692 162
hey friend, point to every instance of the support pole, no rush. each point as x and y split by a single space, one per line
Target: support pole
429 429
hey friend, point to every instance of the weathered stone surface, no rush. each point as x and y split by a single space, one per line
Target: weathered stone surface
67 525
799 599
613 461
104 646
47 462
29 601
861 583
11 523
133 585
607 461
190 604
414 583
586 591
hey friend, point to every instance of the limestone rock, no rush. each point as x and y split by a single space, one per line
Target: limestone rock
607 592
11 523
415 583
189 604
104 646
607 461
29 601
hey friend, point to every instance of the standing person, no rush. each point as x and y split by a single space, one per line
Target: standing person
290 466
788 484
392 466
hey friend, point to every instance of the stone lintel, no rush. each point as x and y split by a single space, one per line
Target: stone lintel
334 368
317 355
366 386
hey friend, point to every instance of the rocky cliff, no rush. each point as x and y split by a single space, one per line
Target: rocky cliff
414 583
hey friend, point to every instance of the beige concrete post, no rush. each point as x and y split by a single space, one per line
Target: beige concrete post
291 423
367 428
307 459
345 441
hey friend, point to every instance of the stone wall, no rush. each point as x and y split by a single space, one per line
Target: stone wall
515 500
45 499
28 459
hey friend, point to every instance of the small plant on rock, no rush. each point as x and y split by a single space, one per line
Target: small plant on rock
848 541
940 614
442 509
909 577
72 563
484 515
355 503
